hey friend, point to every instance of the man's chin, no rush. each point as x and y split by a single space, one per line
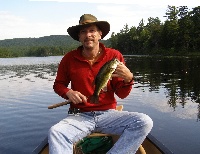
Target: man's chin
88 47
89 44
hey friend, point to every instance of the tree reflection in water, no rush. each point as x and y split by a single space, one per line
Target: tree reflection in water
179 76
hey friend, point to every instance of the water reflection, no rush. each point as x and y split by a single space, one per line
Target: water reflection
179 76
29 72
165 88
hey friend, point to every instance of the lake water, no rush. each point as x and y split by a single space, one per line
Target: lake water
166 88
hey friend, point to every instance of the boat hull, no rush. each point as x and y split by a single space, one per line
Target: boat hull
150 146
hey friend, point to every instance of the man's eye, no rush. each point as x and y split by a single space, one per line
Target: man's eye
92 30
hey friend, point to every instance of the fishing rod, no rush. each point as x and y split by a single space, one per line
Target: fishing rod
59 104
69 101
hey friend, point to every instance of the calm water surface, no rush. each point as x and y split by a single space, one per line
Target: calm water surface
166 88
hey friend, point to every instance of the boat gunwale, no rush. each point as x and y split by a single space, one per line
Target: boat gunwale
41 146
160 146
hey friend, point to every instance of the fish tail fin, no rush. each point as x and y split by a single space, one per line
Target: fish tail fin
94 99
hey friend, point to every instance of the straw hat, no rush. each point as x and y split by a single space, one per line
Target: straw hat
87 19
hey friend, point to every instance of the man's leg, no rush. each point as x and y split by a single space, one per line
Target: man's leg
68 131
132 126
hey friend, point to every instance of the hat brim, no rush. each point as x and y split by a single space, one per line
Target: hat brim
104 26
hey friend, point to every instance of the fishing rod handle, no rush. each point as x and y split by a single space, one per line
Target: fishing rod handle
58 105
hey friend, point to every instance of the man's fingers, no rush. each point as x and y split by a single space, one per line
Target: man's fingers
114 75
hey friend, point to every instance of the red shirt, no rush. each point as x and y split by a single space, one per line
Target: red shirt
76 69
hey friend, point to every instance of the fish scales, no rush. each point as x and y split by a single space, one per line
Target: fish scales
102 78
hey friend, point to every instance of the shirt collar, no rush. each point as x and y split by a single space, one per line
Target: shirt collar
78 53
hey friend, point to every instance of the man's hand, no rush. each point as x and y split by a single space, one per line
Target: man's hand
76 97
123 72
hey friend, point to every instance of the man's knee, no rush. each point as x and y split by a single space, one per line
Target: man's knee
148 122
52 131
142 121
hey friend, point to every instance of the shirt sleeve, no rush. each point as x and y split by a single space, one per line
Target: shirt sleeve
62 79
122 89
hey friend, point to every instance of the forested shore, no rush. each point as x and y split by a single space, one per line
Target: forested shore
179 34
44 46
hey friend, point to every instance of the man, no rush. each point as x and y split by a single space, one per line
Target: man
80 67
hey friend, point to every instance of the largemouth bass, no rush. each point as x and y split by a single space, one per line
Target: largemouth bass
102 78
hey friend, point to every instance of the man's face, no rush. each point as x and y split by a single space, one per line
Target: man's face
89 36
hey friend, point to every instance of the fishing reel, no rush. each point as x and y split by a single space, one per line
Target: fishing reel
74 111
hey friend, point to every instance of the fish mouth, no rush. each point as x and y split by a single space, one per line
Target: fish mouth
117 60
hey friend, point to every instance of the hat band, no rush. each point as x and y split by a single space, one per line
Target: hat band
86 22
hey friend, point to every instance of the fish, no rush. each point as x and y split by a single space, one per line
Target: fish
102 78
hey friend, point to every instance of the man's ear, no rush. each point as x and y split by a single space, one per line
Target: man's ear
100 33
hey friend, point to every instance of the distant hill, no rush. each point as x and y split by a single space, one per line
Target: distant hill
48 41
42 46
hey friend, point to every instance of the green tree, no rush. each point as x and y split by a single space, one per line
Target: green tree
143 37
154 28
170 29
195 28
184 22
5 53
121 41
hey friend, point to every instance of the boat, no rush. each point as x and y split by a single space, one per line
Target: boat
150 145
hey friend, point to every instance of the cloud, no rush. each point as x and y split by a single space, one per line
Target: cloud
43 19
9 19
8 23
140 2
19 27
119 15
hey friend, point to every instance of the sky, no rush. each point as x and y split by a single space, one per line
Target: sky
38 18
